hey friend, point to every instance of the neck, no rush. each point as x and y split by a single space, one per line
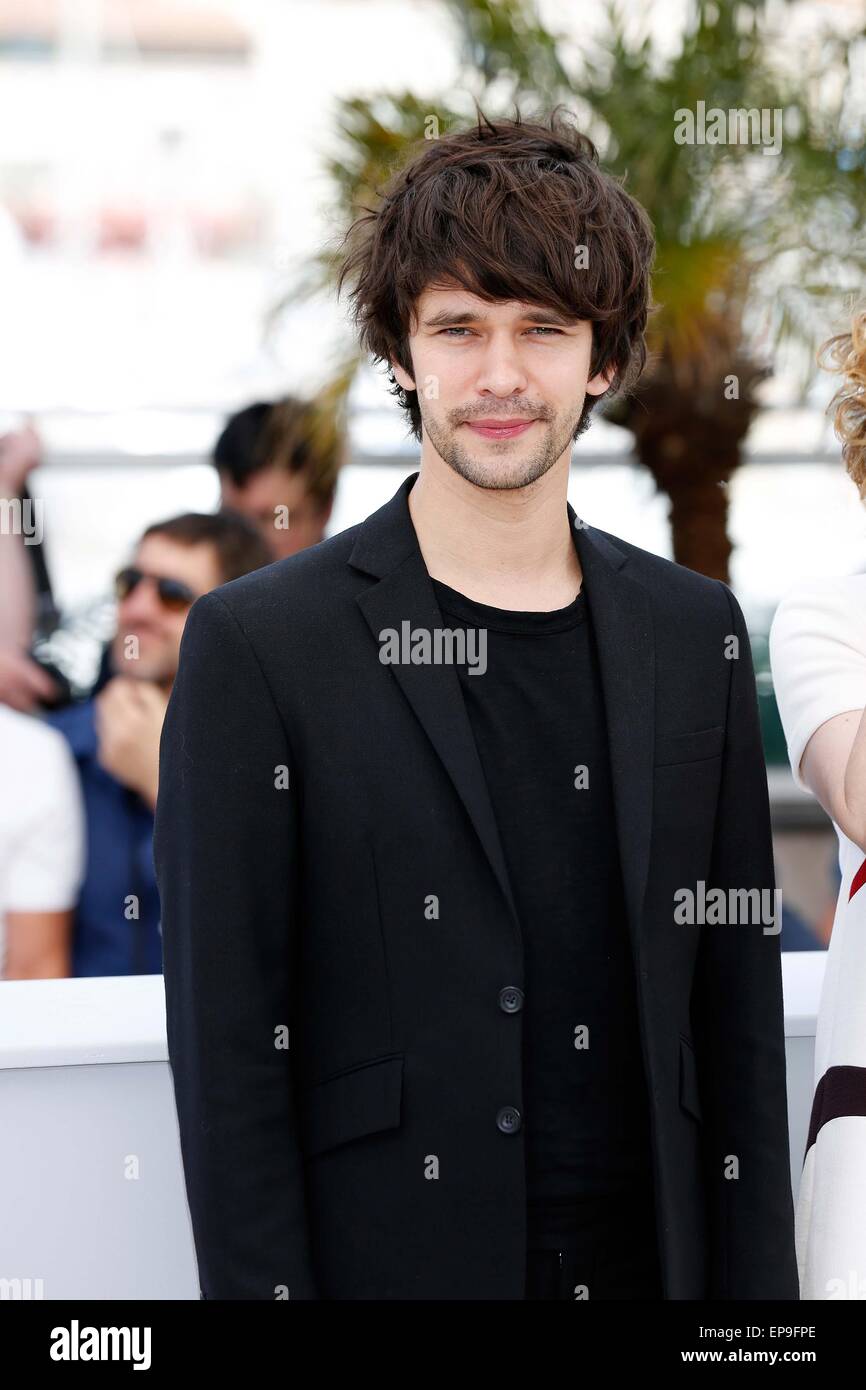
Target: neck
508 548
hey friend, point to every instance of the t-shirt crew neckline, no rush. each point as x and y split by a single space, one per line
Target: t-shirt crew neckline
515 620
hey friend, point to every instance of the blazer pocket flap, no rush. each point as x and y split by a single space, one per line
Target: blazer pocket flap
690 1098
689 747
363 1100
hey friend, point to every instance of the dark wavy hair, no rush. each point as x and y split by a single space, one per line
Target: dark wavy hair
499 210
280 433
236 540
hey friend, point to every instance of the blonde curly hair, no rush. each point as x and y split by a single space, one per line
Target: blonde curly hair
846 353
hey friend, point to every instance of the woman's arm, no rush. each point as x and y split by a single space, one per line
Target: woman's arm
38 945
818 659
834 768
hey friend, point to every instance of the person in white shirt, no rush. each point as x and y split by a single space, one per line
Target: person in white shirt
818 659
41 848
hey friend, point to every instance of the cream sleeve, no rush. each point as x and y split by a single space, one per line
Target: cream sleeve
818 658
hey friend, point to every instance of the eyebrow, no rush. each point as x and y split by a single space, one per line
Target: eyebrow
448 318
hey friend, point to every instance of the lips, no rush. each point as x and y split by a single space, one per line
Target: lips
498 429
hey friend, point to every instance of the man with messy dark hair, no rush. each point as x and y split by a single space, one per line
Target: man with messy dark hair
437 800
583 250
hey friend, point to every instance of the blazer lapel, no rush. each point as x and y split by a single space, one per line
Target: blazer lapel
387 548
621 620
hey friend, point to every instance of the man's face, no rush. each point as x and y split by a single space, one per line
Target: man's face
500 386
142 615
270 497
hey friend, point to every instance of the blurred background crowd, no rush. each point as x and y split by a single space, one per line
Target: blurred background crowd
181 401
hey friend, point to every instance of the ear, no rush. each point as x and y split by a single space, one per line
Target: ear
598 384
403 378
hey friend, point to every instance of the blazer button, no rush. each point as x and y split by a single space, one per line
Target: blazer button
511 999
509 1119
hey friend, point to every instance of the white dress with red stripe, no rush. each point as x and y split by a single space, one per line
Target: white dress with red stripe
818 658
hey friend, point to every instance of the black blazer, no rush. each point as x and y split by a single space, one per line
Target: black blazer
339 1060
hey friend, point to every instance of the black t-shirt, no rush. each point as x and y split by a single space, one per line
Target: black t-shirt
537 714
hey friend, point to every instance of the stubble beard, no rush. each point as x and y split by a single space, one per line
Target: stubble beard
500 471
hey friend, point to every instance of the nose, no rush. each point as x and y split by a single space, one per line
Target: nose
501 372
141 605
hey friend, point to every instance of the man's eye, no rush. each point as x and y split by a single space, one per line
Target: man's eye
540 328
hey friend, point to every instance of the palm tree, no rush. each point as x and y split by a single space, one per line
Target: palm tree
746 243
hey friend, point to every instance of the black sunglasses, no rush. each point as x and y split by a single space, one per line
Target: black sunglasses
172 593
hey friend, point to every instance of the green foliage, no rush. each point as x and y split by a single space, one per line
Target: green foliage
748 243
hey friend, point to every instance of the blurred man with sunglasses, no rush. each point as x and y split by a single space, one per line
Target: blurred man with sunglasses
114 736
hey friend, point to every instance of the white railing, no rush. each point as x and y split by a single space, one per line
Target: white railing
91 1182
